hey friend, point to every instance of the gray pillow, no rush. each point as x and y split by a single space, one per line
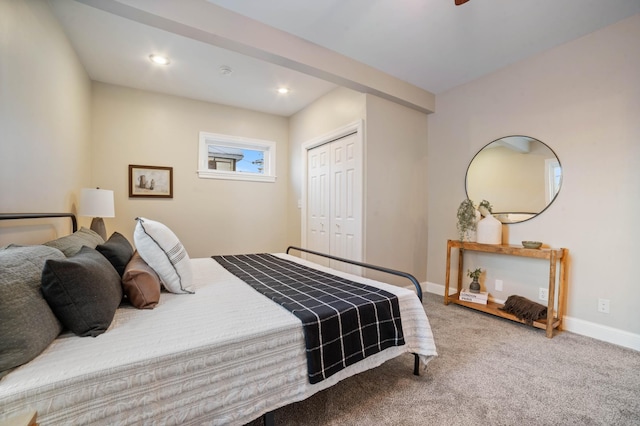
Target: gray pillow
83 291
27 324
117 250
71 244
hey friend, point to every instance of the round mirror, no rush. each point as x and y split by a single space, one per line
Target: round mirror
519 175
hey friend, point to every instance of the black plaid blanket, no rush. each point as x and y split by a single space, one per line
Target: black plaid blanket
343 321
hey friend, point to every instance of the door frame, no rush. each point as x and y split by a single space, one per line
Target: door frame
356 127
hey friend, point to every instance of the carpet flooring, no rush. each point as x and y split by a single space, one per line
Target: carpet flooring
489 371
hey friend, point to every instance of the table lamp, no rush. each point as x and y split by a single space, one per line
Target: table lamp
97 203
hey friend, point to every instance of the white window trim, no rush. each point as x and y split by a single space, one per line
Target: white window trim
550 188
268 147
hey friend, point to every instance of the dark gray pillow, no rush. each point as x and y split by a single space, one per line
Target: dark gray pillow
71 244
27 324
83 291
117 250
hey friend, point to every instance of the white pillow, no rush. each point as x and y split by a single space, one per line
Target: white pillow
161 249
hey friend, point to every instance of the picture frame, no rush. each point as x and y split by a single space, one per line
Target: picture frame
150 181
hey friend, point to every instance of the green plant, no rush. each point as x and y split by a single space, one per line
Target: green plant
466 218
485 205
475 274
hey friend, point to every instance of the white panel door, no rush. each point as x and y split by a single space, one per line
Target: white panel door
334 197
318 218
346 198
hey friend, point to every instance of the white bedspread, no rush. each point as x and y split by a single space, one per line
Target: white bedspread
224 355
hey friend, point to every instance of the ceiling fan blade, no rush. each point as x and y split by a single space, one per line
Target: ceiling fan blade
459 2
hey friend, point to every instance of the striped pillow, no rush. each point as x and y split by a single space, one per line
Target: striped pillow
163 251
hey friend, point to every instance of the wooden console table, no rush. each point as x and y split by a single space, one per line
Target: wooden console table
552 255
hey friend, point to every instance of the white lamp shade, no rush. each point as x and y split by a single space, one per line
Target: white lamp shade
96 203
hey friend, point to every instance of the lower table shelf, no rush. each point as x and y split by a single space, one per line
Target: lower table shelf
494 309
555 313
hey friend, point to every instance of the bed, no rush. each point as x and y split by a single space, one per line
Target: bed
222 355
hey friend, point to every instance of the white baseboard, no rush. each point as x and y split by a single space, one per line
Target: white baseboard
573 325
435 288
602 332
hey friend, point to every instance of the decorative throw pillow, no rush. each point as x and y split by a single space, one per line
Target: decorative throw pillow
71 244
140 283
83 291
162 250
117 250
27 324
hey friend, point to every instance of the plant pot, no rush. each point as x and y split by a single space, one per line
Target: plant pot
489 230
474 287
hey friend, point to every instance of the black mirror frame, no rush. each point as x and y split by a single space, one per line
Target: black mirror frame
466 175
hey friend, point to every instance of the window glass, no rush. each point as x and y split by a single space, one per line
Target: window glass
232 157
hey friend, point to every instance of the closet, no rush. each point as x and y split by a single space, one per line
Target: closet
334 198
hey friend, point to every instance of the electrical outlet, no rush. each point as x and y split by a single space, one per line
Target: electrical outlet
498 285
543 294
603 306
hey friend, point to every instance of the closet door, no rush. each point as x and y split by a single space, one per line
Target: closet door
346 198
318 199
334 200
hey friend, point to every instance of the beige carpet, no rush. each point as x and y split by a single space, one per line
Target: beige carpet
489 371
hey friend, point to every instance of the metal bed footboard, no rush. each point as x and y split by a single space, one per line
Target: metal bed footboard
414 281
406 275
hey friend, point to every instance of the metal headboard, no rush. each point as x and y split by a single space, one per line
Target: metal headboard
14 216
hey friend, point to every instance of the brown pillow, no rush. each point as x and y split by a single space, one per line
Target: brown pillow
140 283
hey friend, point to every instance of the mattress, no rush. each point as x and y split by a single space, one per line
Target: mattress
224 355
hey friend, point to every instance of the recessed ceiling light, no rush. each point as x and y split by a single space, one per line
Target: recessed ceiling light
159 59
283 90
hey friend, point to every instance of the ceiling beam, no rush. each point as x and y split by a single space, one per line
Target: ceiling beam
212 24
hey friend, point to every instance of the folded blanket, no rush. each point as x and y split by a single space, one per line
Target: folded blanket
343 321
524 309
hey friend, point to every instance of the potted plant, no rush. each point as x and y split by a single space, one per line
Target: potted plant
474 287
485 208
467 220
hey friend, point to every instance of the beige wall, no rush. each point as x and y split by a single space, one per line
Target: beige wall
395 174
396 187
44 127
583 100
210 216
331 111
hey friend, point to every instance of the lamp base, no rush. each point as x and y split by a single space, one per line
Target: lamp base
97 226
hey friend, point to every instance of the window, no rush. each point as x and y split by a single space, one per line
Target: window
233 157
553 178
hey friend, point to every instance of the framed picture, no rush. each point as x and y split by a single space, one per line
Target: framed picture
150 181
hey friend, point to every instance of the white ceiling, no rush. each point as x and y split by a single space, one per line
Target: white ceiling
434 44
431 44
115 50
